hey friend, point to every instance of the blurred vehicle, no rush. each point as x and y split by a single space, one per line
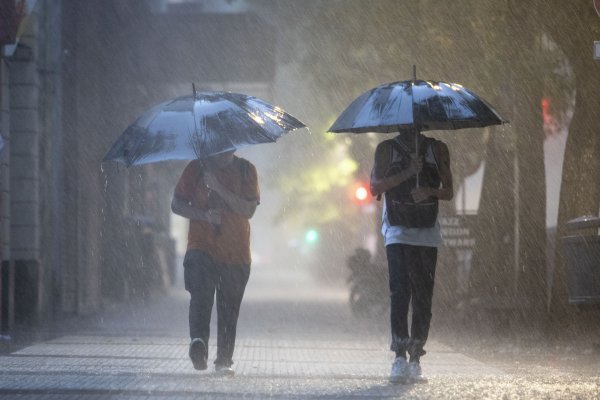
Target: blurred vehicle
369 289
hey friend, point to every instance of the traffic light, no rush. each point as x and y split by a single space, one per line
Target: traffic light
311 236
360 193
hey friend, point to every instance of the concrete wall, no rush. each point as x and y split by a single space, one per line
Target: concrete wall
24 150
25 199
83 71
6 268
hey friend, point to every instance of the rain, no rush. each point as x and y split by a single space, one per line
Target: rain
93 299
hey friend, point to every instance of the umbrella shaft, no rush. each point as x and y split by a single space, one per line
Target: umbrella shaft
417 149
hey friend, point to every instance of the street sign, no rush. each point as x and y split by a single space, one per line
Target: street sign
457 231
597 49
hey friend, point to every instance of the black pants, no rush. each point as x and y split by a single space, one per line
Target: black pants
203 277
412 274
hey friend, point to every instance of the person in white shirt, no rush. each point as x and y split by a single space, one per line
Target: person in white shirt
411 185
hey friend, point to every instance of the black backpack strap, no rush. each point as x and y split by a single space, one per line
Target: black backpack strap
425 142
400 146
199 172
433 144
392 147
244 170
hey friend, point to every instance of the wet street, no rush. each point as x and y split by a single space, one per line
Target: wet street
295 341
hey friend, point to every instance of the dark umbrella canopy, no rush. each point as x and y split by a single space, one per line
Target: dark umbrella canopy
200 125
416 104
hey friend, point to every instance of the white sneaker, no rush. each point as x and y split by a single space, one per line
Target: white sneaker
414 373
399 373
224 370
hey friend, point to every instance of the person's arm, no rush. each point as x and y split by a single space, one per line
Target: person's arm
239 205
379 182
446 190
184 190
183 208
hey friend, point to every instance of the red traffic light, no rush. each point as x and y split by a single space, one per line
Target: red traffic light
360 193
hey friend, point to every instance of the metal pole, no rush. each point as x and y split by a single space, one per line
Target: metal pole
517 225
416 129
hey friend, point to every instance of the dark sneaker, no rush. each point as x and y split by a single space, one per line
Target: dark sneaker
224 370
399 371
198 354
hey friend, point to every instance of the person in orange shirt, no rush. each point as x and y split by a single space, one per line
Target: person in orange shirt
219 195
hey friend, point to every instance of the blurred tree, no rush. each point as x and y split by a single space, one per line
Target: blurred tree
348 46
316 192
574 26
514 180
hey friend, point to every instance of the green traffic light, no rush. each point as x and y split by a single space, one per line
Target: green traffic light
311 236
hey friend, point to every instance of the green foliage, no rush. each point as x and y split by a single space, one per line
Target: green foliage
501 50
315 192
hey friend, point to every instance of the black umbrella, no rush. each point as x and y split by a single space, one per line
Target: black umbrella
416 105
200 125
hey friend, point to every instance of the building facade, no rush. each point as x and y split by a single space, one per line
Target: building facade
75 232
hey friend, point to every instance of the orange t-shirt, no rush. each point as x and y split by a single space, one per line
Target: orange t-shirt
229 242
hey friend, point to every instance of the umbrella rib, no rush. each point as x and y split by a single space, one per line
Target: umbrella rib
195 124
260 128
134 157
445 106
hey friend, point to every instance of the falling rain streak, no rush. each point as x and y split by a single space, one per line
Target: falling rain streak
92 255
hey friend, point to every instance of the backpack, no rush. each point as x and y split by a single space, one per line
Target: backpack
401 208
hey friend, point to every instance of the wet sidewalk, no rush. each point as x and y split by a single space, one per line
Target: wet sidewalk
295 341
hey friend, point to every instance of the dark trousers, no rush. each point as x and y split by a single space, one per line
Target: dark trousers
203 277
412 274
